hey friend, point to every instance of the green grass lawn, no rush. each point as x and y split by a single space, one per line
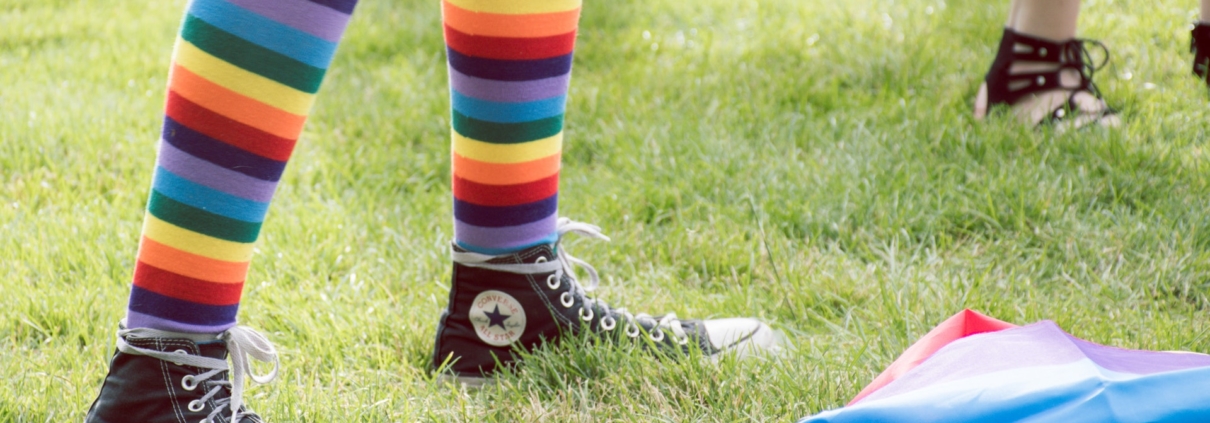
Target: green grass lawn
812 163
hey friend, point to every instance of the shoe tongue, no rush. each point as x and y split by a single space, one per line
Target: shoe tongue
213 349
528 255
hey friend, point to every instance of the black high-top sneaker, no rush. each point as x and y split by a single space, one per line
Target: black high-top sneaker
532 296
167 377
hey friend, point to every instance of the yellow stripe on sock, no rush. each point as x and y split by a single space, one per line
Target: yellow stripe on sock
195 243
241 81
507 153
517 7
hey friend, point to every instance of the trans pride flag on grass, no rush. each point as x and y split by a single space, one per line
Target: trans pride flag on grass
973 368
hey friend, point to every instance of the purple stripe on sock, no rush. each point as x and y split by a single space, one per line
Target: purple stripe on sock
135 319
506 238
213 176
318 20
508 91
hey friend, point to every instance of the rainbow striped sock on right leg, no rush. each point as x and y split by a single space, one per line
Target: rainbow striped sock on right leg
509 67
244 77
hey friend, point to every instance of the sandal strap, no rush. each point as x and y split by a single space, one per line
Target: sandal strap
1199 45
1005 87
1199 36
1060 114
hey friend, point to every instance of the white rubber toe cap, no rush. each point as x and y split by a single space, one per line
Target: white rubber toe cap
742 336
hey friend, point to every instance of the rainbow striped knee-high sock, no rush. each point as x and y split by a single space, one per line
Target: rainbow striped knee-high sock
244 76
509 67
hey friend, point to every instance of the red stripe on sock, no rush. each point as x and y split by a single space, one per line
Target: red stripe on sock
186 288
505 195
227 130
505 48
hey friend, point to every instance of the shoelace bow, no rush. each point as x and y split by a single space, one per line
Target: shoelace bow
565 266
1080 59
241 341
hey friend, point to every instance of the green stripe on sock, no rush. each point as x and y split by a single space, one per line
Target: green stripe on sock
251 57
507 133
201 221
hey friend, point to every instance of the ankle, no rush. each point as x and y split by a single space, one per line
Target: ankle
196 337
505 250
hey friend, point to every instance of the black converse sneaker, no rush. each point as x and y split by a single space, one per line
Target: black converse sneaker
167 377
533 296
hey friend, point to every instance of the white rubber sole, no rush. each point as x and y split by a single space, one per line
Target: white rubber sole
467 381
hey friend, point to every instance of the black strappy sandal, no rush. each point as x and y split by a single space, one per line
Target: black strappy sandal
1005 87
1199 44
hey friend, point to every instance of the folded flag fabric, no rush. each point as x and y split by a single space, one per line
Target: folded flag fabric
973 368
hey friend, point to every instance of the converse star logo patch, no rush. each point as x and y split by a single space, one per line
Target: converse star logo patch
498 318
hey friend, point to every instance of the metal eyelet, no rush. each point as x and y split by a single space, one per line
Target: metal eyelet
635 332
608 323
1041 80
1042 52
196 406
181 352
554 281
540 260
189 382
656 338
566 300
682 341
589 316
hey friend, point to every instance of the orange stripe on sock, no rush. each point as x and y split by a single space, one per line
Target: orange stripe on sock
515 26
505 174
191 265
231 104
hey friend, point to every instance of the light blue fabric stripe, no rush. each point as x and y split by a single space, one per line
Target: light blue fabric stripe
501 112
265 32
208 199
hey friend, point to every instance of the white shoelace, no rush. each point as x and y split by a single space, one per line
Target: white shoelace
565 265
241 341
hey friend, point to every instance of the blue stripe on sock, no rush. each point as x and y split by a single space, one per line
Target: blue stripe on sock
206 198
168 308
503 216
345 6
509 70
265 32
502 112
220 153
502 251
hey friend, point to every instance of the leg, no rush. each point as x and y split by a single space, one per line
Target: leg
1040 69
244 76
1050 19
509 65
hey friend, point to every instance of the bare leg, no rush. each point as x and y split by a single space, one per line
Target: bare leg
1052 19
